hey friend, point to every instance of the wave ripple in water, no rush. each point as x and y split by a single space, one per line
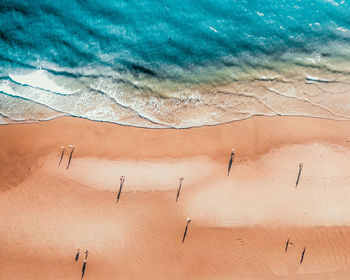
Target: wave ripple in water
162 64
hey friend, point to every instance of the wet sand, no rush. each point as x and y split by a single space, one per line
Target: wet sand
240 223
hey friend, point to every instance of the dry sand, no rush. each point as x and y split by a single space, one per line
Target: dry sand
240 223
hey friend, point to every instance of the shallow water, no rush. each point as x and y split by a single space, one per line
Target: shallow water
167 64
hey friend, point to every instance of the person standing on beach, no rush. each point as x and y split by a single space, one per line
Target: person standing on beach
62 154
122 179
287 244
77 255
179 189
299 173
185 233
86 253
230 162
302 255
83 269
70 156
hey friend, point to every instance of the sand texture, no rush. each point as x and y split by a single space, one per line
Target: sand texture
240 223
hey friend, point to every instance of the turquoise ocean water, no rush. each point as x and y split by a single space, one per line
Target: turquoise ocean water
173 63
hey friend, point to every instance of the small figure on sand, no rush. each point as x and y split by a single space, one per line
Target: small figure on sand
83 269
287 244
122 179
179 189
62 154
302 255
299 173
230 163
185 233
86 253
70 156
77 255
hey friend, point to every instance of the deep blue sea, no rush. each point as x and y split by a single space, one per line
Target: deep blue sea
173 63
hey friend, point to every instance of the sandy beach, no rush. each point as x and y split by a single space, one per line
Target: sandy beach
240 223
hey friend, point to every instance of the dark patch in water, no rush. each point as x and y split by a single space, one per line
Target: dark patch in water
144 70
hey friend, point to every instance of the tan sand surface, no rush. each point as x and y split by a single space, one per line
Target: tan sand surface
240 223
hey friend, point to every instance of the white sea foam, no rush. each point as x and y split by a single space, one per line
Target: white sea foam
41 79
149 102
